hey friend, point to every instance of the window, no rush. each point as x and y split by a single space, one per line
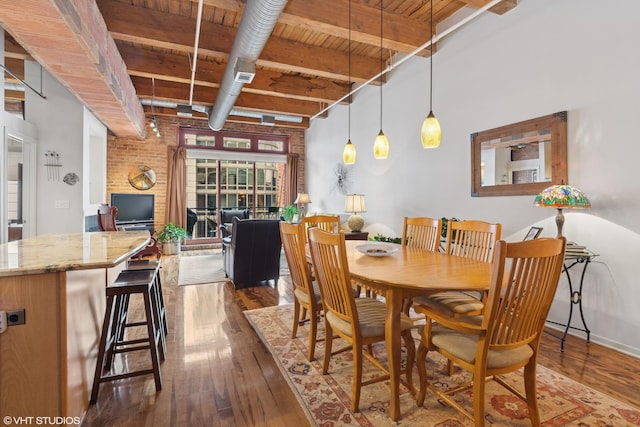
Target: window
233 170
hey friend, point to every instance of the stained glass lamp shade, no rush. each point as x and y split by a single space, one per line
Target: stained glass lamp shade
561 197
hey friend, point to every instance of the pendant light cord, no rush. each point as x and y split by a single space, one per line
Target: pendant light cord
431 59
349 67
380 64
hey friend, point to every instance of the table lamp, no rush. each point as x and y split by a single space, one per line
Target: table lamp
561 197
301 201
355 204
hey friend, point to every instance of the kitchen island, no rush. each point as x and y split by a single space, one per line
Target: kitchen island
47 363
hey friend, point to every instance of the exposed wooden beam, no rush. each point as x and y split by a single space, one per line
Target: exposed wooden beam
503 7
16 66
175 67
153 28
175 92
70 40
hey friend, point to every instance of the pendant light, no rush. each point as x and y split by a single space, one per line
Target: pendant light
431 134
381 143
349 152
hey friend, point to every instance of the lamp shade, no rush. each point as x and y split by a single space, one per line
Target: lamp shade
355 203
562 196
302 199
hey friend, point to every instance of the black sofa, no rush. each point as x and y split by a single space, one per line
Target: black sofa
252 253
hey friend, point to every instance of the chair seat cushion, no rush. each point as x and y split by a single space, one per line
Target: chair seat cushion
303 296
451 302
371 314
464 346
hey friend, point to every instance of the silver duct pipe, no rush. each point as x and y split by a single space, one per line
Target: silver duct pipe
257 22
234 111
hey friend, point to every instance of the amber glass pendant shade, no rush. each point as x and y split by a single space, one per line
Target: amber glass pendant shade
381 146
349 153
431 133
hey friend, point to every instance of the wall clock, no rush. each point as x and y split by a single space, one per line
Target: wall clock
142 177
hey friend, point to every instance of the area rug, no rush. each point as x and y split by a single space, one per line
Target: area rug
200 269
326 398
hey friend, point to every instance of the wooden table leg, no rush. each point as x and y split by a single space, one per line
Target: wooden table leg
392 337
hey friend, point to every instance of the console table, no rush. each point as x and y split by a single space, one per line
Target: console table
356 235
572 259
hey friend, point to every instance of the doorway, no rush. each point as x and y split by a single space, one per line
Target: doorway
18 195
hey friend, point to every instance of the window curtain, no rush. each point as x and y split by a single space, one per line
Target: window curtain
176 180
292 179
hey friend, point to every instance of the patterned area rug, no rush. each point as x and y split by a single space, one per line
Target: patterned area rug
326 398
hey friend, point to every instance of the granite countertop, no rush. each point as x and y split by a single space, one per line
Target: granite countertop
63 252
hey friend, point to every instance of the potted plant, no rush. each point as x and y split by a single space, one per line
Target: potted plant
289 212
171 236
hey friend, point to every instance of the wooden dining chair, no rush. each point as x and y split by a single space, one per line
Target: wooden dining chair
359 321
469 239
507 336
422 232
305 291
107 222
330 223
107 218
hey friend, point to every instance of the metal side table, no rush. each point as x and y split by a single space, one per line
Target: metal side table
572 258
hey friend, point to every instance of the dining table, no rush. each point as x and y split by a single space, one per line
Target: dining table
398 272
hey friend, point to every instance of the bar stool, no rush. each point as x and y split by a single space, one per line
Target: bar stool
152 264
115 322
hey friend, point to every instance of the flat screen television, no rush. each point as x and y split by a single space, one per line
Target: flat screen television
133 208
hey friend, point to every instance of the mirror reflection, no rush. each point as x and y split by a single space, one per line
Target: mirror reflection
516 159
521 158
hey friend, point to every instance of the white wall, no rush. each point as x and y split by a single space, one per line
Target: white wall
60 121
541 57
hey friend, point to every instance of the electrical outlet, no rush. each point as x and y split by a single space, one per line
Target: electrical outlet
15 317
3 321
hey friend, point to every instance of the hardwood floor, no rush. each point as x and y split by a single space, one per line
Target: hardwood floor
218 372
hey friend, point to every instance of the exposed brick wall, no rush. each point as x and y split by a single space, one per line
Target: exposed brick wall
125 154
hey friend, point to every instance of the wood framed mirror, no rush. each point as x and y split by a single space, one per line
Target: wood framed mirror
521 158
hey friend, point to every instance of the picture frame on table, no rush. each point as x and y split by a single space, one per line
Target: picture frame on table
533 233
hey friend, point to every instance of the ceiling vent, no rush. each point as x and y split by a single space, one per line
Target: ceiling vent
268 120
244 71
184 110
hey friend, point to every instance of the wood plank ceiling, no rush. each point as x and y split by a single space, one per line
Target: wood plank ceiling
306 65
